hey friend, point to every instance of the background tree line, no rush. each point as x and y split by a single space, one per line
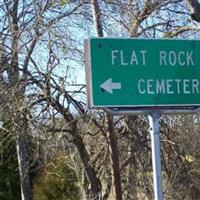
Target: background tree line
51 145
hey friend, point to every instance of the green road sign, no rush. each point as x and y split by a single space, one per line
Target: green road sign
143 72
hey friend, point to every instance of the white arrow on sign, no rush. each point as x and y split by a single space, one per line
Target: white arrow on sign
109 86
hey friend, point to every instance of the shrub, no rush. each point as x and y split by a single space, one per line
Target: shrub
56 181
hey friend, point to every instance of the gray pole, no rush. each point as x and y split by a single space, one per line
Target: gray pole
155 145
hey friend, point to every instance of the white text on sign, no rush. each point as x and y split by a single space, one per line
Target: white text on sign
165 58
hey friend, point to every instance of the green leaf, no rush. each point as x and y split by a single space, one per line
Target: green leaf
64 2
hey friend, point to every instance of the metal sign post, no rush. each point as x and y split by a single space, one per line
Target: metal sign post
155 144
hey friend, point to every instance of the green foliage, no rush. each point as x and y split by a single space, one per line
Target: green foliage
64 2
56 181
9 175
9 182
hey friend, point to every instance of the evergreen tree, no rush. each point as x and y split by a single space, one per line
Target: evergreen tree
9 174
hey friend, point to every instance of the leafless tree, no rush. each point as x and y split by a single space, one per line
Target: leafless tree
43 96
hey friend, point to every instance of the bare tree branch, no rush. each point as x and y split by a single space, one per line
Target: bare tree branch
194 7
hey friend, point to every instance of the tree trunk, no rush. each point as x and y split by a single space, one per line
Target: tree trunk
132 177
110 133
92 183
19 127
114 159
97 18
132 171
23 164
